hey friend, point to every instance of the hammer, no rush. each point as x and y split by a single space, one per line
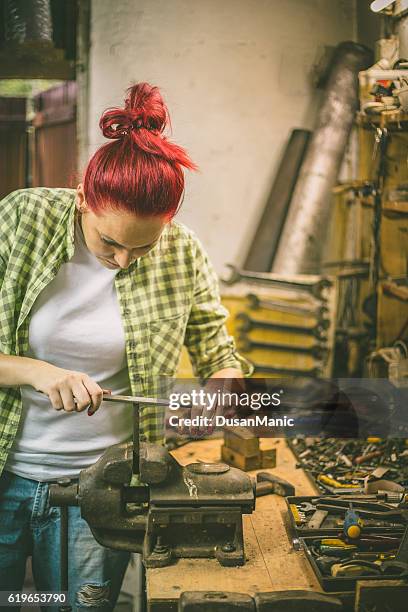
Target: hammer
268 483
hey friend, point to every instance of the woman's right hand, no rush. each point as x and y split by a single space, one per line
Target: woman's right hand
67 389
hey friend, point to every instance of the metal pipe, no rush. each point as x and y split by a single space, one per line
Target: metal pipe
64 549
136 439
300 246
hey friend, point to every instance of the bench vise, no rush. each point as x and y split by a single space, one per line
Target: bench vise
137 497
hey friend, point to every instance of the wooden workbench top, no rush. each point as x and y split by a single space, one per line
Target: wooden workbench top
272 563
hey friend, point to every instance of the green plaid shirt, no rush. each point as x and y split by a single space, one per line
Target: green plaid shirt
167 297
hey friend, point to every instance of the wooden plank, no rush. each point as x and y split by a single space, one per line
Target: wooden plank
208 575
288 569
272 564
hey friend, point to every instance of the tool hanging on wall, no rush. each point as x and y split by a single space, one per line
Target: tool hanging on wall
247 323
311 286
255 302
380 152
247 345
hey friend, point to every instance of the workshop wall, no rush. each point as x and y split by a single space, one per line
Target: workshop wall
237 78
368 24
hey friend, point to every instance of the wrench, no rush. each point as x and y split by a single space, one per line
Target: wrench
246 345
314 288
365 511
306 507
317 519
255 303
248 323
260 367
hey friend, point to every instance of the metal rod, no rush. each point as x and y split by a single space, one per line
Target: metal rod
136 439
64 555
134 399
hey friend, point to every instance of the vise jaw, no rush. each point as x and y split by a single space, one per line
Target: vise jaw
165 512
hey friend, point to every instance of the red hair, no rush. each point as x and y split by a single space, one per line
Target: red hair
141 171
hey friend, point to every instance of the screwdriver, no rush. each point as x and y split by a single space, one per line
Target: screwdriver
352 524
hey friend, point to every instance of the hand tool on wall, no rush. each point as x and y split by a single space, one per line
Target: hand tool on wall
380 150
316 311
267 369
134 495
247 323
246 345
314 287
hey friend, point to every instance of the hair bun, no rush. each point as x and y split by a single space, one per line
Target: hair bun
141 171
141 124
115 123
145 107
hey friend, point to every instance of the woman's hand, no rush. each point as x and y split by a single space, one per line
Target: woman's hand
68 390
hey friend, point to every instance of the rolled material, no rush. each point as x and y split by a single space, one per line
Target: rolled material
28 20
302 239
402 30
265 241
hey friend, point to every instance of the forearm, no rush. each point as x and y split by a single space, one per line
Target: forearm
16 371
228 373
67 389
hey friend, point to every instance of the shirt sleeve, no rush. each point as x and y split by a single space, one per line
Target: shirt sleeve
9 214
209 345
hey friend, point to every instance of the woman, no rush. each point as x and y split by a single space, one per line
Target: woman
99 290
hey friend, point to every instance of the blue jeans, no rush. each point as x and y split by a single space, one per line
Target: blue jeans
28 526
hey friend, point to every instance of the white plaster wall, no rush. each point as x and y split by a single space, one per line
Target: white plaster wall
236 77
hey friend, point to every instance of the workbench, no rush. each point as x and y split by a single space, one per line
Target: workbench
272 563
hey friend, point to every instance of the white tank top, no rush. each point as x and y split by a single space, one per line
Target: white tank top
76 325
